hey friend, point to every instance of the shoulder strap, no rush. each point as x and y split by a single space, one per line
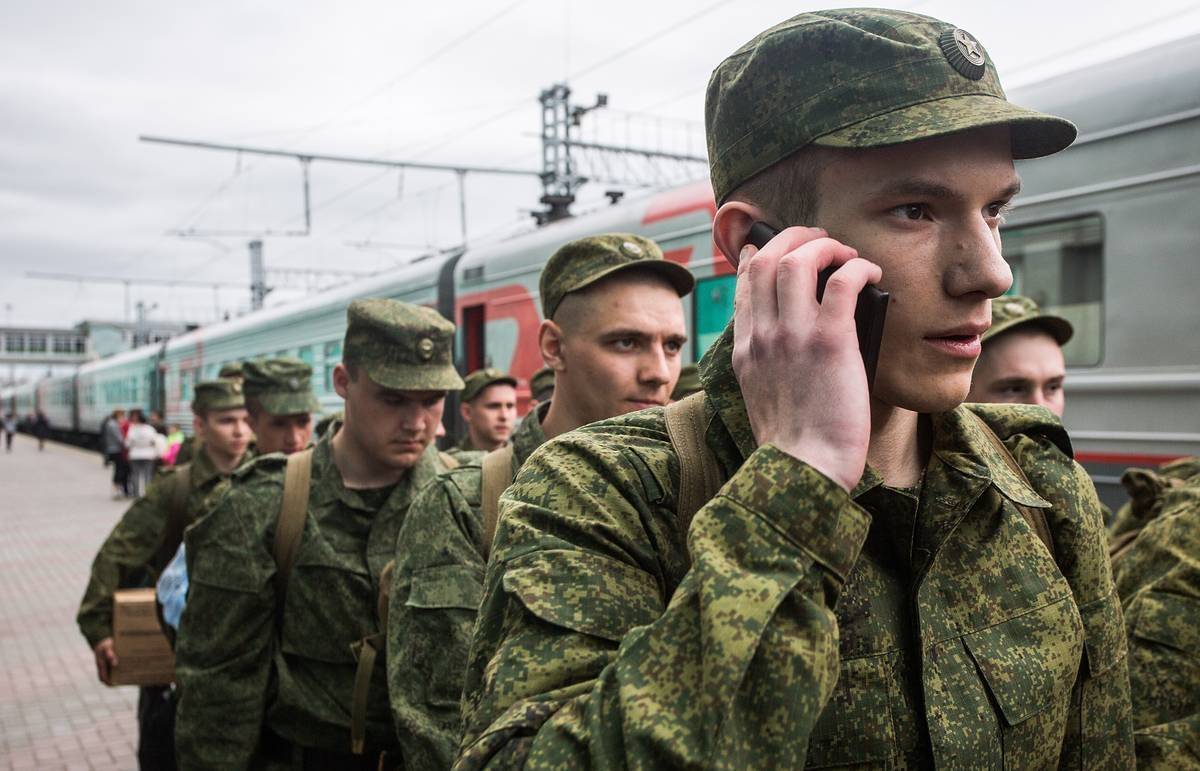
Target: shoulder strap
181 485
496 477
1036 518
699 474
448 460
292 512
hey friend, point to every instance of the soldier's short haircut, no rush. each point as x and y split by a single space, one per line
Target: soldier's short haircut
568 311
788 189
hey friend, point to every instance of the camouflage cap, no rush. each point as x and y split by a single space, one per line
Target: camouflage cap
480 379
281 385
231 369
212 395
862 77
585 261
688 383
542 383
402 346
1014 311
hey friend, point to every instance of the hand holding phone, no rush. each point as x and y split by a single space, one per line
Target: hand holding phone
869 312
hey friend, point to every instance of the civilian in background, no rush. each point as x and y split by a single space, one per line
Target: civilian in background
112 444
145 447
41 429
10 428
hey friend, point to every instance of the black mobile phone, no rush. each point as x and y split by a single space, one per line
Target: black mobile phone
869 311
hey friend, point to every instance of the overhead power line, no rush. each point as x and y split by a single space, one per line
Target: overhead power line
654 37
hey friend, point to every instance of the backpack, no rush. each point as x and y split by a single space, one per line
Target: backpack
496 475
293 513
700 477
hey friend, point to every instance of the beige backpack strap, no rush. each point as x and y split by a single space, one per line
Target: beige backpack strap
293 511
366 651
448 460
181 485
699 474
497 475
1036 518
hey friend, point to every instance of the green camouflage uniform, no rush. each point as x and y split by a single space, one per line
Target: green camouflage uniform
813 627
134 554
438 581
270 686
1158 578
688 383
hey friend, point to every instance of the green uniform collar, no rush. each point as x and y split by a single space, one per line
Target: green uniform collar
529 435
959 440
327 483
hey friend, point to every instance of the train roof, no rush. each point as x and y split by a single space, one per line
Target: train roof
1154 82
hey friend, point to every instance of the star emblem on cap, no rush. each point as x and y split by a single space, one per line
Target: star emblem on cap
631 249
235 386
969 46
1014 309
293 383
425 348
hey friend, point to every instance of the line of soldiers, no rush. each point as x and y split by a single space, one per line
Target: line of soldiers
788 568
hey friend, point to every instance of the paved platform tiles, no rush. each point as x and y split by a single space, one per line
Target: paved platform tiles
55 510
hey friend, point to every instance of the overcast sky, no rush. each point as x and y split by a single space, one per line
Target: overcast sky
453 82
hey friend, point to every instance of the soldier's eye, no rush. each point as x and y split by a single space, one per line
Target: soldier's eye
997 210
911 211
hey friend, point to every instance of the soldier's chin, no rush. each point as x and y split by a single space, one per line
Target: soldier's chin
936 395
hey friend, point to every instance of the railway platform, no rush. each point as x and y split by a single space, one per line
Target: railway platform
55 510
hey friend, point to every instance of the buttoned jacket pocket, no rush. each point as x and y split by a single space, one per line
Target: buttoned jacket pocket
330 603
440 612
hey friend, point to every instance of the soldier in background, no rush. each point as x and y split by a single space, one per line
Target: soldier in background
809 569
147 536
613 332
541 387
283 596
1022 359
489 408
187 450
279 405
1156 566
689 383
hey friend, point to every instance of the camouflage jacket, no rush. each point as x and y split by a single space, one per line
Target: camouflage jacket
1158 578
130 556
790 626
257 682
438 581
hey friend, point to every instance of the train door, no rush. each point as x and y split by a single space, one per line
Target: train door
472 356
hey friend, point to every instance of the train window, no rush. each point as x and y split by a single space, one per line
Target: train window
1060 265
14 343
305 354
713 307
333 355
37 343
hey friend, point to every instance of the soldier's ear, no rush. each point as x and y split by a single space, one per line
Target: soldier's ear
550 344
731 227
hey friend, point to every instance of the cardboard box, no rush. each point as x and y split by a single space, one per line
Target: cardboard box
143 654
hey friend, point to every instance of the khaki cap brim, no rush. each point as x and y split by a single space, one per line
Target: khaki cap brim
1059 328
288 404
415 378
1034 134
679 277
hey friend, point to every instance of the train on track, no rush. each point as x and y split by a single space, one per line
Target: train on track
1106 234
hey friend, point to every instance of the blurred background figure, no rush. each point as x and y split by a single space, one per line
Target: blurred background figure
175 439
112 444
145 446
489 408
688 383
41 429
541 387
10 428
1022 360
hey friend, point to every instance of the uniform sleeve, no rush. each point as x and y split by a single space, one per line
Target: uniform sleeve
1099 728
124 558
227 634
434 598
587 656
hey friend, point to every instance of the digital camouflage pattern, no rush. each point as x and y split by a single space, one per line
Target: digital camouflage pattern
258 682
862 77
1158 578
688 383
217 395
281 385
400 345
584 261
480 379
328 424
541 385
1017 311
132 555
795 624
438 582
